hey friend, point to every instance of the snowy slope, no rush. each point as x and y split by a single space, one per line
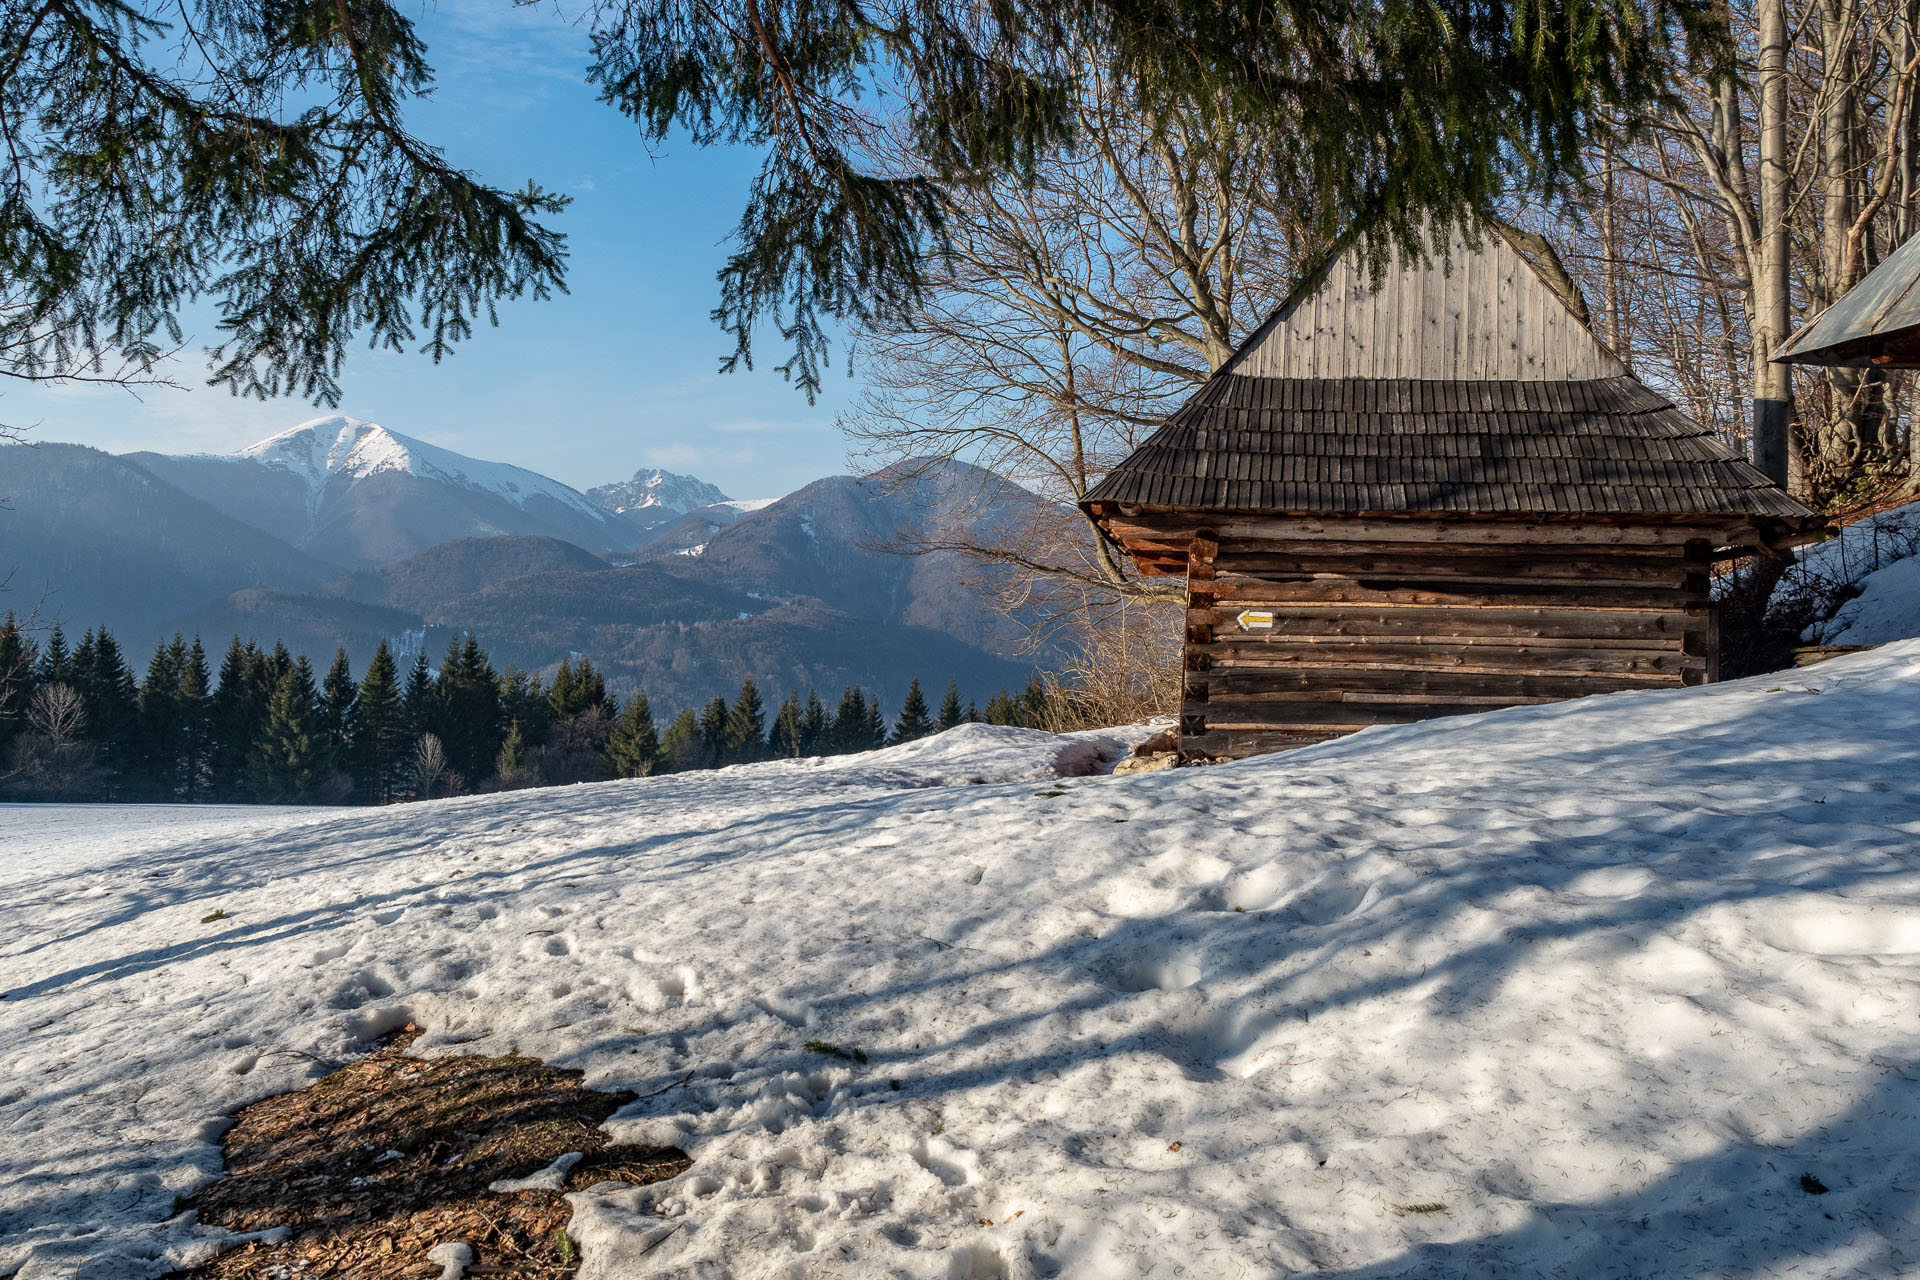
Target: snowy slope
357 494
1878 556
1874 556
338 451
657 494
1595 983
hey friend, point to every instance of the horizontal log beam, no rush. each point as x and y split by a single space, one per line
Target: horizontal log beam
1414 570
1307 717
1493 531
1247 591
1219 744
1234 687
1448 622
1519 660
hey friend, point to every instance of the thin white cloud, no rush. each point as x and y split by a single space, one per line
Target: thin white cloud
735 426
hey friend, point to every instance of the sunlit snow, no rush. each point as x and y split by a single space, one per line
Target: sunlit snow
338 448
1575 990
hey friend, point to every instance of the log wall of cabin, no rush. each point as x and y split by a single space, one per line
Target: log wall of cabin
1387 622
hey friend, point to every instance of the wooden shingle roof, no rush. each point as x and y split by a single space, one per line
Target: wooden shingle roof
1456 384
1351 445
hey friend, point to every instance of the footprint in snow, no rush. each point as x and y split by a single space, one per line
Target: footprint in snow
976 1260
1167 973
952 1165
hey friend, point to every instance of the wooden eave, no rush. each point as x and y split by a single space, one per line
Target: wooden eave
1158 538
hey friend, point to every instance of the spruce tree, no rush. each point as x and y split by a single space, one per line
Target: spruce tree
55 660
510 765
680 747
337 696
815 729
713 733
165 725
278 663
560 694
237 714
423 715
17 683
874 732
380 734
468 698
914 722
111 696
950 713
578 690
746 734
524 701
850 722
195 699
633 747
784 738
289 761
1033 703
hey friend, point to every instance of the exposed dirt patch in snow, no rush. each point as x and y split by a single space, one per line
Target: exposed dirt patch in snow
403 1166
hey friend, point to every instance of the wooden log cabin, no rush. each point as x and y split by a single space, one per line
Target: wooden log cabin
1434 494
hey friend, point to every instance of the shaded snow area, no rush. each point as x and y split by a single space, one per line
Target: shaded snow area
1576 990
1874 557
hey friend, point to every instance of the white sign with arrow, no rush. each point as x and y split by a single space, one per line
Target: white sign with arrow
1256 620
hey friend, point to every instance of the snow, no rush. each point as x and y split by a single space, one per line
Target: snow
748 504
324 451
1887 608
1874 555
658 492
1878 556
1602 980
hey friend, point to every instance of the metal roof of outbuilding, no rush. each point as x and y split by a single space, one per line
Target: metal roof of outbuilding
1875 323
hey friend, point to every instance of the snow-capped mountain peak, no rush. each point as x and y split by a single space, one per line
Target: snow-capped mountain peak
657 492
334 445
328 450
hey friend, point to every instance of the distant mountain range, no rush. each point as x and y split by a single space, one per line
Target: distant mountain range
654 494
341 533
356 494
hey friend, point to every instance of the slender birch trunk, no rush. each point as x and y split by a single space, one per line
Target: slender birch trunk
1773 448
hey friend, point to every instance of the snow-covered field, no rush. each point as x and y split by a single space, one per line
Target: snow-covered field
1601 980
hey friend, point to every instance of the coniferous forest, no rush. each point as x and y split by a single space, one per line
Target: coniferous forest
77 722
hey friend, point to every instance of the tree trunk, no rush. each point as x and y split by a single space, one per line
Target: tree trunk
1610 259
1849 437
1773 448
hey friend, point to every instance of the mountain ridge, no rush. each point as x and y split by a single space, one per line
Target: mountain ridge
357 494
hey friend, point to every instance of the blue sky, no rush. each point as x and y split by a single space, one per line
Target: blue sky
587 387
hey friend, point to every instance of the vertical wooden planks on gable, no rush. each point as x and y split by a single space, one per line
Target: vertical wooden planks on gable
1377 319
1459 299
1357 337
1435 284
1486 313
1510 316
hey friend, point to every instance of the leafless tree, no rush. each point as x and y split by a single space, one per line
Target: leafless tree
58 715
430 768
1070 315
53 758
1747 208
